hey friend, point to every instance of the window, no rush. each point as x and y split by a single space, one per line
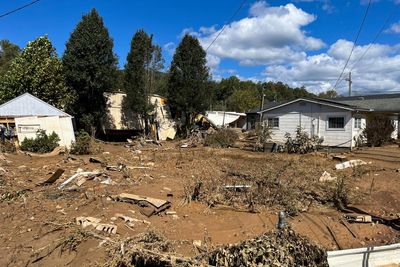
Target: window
273 122
28 128
357 123
336 123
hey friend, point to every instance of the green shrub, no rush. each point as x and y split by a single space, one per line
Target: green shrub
82 145
43 143
221 138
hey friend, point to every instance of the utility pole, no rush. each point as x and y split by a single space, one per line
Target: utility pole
223 118
262 107
350 82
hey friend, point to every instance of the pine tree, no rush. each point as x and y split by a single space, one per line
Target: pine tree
90 69
8 51
37 70
188 78
143 61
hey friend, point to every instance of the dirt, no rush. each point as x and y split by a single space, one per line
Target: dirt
38 225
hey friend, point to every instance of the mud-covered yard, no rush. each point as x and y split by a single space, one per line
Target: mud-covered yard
218 197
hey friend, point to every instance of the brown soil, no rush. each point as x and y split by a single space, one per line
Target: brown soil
35 219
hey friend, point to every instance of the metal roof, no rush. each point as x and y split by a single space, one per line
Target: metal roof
378 103
28 105
320 102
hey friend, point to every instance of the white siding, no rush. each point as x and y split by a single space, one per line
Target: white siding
358 131
313 118
62 126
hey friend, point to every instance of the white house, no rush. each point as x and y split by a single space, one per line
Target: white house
338 123
27 114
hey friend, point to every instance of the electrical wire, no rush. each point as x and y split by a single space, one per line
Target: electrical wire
354 44
230 20
374 40
372 43
18 9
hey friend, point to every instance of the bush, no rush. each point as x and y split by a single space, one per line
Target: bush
82 145
43 143
302 143
221 138
378 130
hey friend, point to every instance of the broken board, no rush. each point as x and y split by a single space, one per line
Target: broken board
57 174
157 205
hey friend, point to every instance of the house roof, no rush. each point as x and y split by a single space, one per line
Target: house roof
319 101
378 103
28 105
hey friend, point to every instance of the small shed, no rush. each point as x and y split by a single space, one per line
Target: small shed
27 114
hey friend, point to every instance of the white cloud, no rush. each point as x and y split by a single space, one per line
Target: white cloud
170 48
377 71
208 30
274 37
268 35
394 28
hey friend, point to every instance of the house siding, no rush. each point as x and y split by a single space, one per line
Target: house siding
313 118
62 126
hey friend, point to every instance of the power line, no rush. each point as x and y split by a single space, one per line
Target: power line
374 40
372 43
230 20
18 9
354 44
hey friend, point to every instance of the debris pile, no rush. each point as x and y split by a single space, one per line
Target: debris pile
283 248
290 185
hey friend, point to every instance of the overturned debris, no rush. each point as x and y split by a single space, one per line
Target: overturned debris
359 218
153 205
95 222
85 175
350 164
130 219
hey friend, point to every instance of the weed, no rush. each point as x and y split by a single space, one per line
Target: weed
222 138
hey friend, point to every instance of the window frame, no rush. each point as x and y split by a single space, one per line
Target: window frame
273 119
336 129
356 126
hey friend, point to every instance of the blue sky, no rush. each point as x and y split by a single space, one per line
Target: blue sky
303 42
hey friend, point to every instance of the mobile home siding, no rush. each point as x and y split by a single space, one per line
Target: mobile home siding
313 118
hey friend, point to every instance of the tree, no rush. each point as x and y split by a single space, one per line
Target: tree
188 81
243 100
8 51
227 87
328 94
37 70
143 62
90 69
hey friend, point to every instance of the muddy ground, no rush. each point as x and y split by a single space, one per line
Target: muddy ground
38 226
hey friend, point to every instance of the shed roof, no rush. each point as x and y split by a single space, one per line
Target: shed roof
28 105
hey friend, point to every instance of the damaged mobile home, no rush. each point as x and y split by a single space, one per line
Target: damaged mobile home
27 114
122 121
